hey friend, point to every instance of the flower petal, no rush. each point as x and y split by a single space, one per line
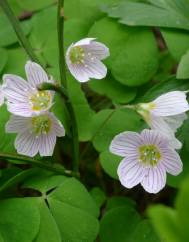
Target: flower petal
85 41
35 74
130 172
171 103
154 137
125 144
47 144
15 88
78 71
172 162
57 127
95 69
159 124
27 144
155 179
20 109
17 124
97 50
175 121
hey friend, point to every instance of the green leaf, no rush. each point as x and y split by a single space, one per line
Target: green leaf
19 221
109 163
7 34
126 44
106 124
144 232
3 59
183 70
177 42
164 220
30 5
169 13
98 195
48 230
74 223
75 194
118 201
171 84
114 90
118 224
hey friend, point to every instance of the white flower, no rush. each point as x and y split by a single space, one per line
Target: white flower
35 134
1 96
84 57
166 114
23 97
148 156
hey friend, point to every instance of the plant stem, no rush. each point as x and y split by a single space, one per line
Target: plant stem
57 88
39 164
19 32
62 67
60 29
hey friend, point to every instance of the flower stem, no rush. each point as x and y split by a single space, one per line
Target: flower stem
19 32
60 29
39 164
62 67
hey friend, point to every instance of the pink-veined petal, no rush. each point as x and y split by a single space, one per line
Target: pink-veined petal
27 144
175 121
86 41
57 127
154 137
17 124
35 74
125 144
171 103
97 50
47 144
130 172
171 161
95 69
155 179
78 71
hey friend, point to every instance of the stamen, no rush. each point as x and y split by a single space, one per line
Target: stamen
41 125
40 100
77 55
149 155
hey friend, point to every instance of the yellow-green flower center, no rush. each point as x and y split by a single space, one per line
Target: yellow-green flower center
41 124
40 100
77 55
149 155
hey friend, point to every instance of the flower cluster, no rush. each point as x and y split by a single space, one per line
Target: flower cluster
149 155
36 126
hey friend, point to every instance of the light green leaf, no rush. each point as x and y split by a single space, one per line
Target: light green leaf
109 163
19 221
7 34
98 195
3 59
172 13
118 224
74 223
108 123
114 90
75 194
48 230
177 42
183 68
30 5
126 44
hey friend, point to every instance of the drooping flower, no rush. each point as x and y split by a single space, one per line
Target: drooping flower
166 114
84 57
35 134
23 97
2 98
147 158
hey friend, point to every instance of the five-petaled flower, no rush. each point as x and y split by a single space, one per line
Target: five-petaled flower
35 134
84 57
147 158
166 114
23 97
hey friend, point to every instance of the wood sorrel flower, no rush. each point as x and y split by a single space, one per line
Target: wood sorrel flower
23 97
84 57
35 134
148 156
166 114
